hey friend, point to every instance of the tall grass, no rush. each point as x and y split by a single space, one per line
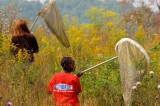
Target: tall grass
25 84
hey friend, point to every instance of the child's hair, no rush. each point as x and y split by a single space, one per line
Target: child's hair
68 64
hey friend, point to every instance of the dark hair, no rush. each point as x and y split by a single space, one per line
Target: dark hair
68 64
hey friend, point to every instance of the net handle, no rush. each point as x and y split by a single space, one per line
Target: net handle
99 64
34 23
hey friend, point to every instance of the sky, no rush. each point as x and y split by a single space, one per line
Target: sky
42 1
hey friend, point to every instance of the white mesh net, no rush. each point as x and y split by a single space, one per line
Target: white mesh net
134 62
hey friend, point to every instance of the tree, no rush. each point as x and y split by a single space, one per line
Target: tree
145 15
154 5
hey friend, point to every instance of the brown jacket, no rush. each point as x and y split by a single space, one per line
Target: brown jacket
28 42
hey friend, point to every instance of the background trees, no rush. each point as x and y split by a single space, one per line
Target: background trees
77 8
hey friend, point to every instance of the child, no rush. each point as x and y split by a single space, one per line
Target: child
65 86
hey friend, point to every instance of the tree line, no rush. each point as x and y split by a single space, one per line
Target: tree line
71 8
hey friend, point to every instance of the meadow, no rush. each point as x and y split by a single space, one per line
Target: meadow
91 43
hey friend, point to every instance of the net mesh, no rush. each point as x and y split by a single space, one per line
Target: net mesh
53 19
134 63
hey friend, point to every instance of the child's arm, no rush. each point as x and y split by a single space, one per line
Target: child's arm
79 89
49 91
79 74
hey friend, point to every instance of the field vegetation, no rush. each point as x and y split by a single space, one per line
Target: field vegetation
24 85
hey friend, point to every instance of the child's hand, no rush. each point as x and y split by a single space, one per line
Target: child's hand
79 74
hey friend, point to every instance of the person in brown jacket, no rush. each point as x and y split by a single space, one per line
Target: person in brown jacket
23 40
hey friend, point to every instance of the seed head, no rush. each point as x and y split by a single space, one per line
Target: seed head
138 84
9 104
158 86
151 72
134 87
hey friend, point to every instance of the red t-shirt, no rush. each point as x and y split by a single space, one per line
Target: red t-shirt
64 88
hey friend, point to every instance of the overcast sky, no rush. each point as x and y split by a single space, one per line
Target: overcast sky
42 1
148 3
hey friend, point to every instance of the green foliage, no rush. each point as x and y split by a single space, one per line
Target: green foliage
79 8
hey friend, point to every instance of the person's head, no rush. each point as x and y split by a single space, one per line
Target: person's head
21 27
68 64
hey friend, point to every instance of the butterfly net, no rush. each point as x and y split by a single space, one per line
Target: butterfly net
134 62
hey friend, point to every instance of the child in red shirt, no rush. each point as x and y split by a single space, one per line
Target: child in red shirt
65 86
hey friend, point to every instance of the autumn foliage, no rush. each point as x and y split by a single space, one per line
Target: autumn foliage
91 43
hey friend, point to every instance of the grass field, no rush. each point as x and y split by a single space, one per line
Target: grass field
25 84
